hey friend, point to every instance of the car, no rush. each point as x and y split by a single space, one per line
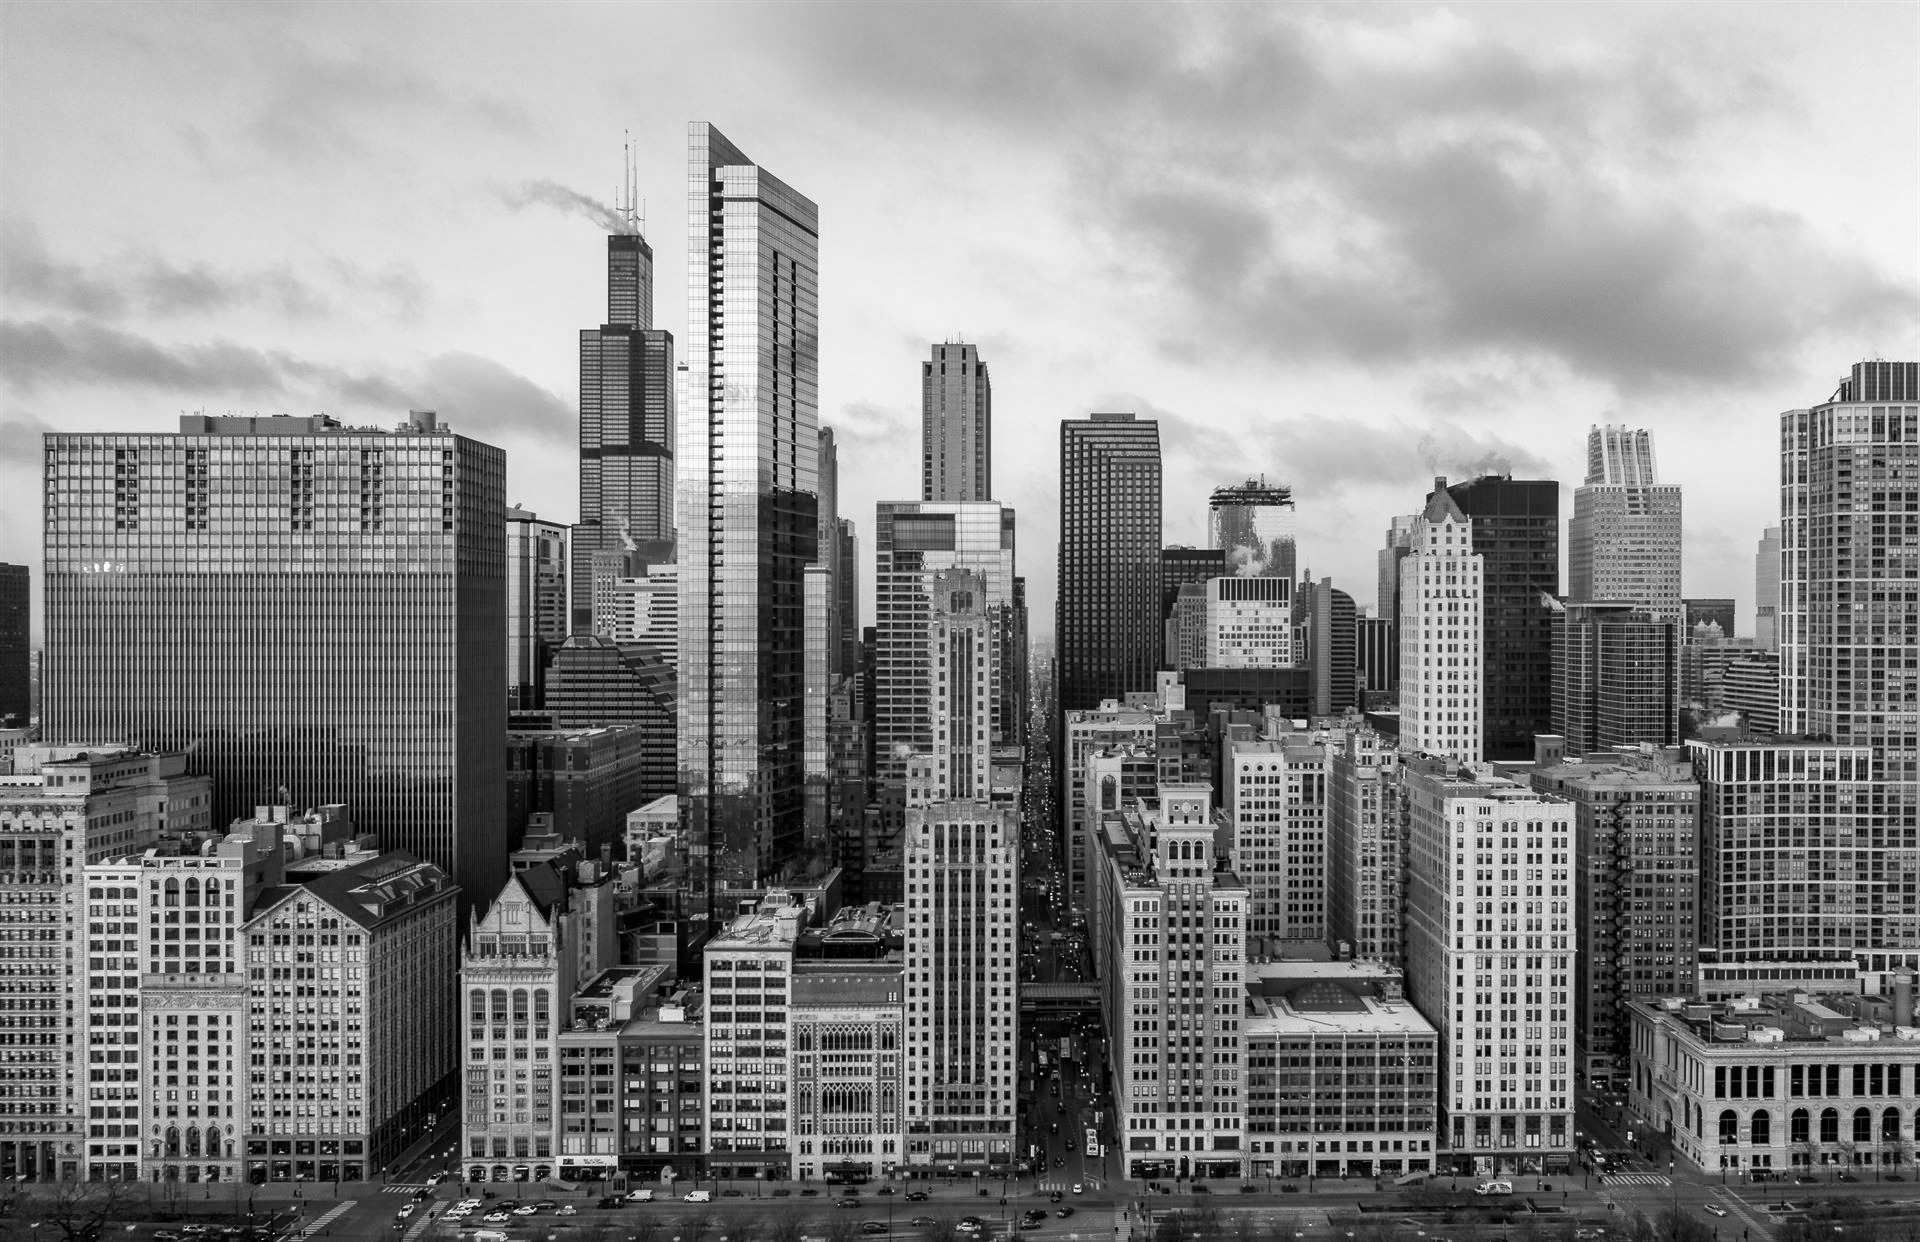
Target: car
1065 1212
808 1190
1892 1177
545 1205
1847 1177
166 1235
434 1179
968 1226
500 1217
457 1213
731 1193
1078 1189
873 1226
852 1192
1714 1209
884 1190
916 1196
405 1211
780 1192
1201 1188
422 1193
526 1209
846 1203
1031 1224
1033 1214
1053 1127
608 1201
567 1209
923 1222
640 1196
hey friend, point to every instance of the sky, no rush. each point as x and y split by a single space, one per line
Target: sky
1344 247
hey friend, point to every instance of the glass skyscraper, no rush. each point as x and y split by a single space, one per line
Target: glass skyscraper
956 425
315 612
536 604
1107 615
746 505
626 430
1253 523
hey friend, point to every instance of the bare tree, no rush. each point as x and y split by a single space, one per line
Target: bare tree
697 1227
738 1226
784 1226
173 1194
645 1228
943 1229
842 1228
81 1210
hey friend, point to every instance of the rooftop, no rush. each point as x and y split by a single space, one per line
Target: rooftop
1332 1007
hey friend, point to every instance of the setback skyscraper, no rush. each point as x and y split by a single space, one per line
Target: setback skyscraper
1623 544
304 606
1440 632
747 509
626 429
1107 613
956 425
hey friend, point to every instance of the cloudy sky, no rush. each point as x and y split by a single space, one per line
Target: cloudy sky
1349 247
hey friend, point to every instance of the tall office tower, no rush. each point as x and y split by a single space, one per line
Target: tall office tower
1171 932
1506 1103
1706 618
1247 623
1516 528
956 425
1766 589
1084 733
1440 633
1253 523
1180 566
963 957
596 684
914 542
346 588
816 766
829 540
1376 659
1364 871
1623 543
1636 819
1324 641
966 688
1616 677
746 508
537 616
846 585
1276 805
626 427
1017 704
16 646
85 808
1849 646
1399 542
1107 611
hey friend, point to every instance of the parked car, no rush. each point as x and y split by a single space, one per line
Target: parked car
916 1196
873 1226
847 1203
567 1209
1065 1212
923 1222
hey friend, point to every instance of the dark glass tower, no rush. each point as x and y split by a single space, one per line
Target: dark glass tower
747 506
16 654
626 428
1107 615
303 607
1516 527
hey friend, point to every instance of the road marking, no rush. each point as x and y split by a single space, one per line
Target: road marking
404 1188
1637 1179
321 1223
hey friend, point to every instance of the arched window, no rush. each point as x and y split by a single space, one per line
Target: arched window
1862 1126
540 1009
500 1006
1729 1127
193 1140
520 1006
1829 1125
173 1141
477 1004
1761 1129
1798 1130
1890 1126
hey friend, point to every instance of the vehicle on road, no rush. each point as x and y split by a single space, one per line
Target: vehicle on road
1065 1212
922 1222
404 1212
497 1218
916 1196
1493 1188
567 1209
1078 1188
526 1209
640 1196
490 1235
873 1226
699 1196
1715 1209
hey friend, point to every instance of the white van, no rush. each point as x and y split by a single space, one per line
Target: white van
642 1195
1494 1188
488 1235
699 1196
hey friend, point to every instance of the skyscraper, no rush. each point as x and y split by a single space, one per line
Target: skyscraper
16 645
1766 590
1325 640
626 427
305 606
1440 633
1623 544
746 506
1399 542
537 616
1107 613
1253 523
1516 528
1616 677
956 425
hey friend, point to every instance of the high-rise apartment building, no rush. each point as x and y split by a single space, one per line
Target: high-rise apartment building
1364 847
1766 590
1246 623
1490 958
1636 822
1276 803
1516 530
345 588
962 941
956 425
16 646
1623 543
1107 626
747 507
1616 677
1173 982
1253 523
915 542
537 608
1441 633
626 427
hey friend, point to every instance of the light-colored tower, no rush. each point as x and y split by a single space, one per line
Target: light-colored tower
956 425
1248 623
1623 543
1276 802
1766 590
750 963
746 507
1490 954
1364 872
963 953
1441 634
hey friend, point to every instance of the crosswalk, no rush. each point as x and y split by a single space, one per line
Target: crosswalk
405 1188
312 1227
1636 1179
